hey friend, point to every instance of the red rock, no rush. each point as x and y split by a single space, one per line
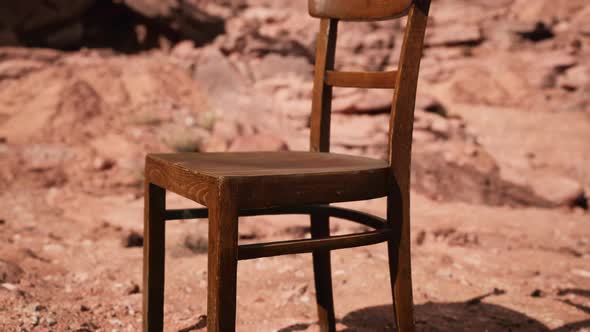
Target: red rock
259 142
219 78
277 65
359 130
454 35
363 101
576 78
184 49
502 84
557 60
559 190
12 69
545 10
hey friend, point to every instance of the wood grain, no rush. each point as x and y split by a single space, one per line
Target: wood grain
244 164
222 259
322 272
154 235
267 179
400 143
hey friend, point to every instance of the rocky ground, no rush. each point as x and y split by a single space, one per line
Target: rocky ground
500 176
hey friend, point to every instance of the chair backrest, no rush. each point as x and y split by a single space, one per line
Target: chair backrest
403 80
359 10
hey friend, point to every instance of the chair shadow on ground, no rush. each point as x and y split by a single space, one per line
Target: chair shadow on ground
472 315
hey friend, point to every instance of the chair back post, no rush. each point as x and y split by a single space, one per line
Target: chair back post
322 93
404 97
400 151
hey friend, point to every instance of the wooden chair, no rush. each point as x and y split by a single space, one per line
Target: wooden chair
258 183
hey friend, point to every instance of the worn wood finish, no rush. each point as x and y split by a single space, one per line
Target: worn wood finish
233 184
222 259
214 165
153 258
359 10
321 107
400 143
364 80
166 174
322 271
267 179
269 249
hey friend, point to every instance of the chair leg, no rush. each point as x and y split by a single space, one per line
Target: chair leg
398 248
153 258
222 261
320 227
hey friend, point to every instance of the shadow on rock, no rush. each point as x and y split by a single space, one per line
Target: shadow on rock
459 316
471 315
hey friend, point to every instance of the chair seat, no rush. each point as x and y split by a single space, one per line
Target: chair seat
333 177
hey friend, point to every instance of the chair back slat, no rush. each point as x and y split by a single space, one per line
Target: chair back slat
364 80
359 10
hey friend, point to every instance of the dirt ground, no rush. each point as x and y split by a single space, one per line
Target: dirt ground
500 176
475 268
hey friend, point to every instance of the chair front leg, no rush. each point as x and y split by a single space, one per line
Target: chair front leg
222 260
398 216
320 227
153 258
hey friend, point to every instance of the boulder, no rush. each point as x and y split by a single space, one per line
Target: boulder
456 171
559 190
454 35
581 22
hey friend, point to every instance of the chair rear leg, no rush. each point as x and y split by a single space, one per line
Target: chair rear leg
322 270
153 258
398 248
222 261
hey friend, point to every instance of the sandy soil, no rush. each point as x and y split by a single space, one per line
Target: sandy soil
475 268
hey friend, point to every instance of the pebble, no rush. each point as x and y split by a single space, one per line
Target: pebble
133 289
133 239
50 321
9 286
581 273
